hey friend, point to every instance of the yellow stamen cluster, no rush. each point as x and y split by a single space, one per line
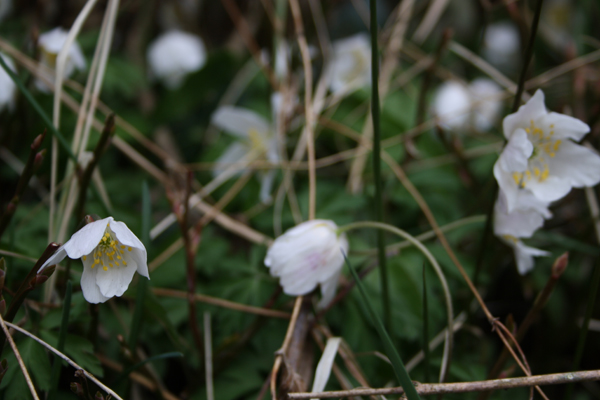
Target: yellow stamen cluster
542 143
109 252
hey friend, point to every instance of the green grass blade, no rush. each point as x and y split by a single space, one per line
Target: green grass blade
36 106
390 350
375 111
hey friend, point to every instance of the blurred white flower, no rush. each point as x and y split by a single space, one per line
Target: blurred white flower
540 156
557 23
5 9
501 45
350 66
173 55
460 107
257 140
308 255
7 86
50 44
110 253
520 223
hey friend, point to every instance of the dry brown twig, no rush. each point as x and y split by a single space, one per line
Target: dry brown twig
428 389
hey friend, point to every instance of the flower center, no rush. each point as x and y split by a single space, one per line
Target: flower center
257 141
109 252
544 146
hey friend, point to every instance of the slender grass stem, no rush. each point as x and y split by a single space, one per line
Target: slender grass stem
64 327
397 364
375 111
438 271
427 360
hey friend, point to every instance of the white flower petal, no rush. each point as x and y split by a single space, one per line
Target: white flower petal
565 126
91 291
116 280
486 105
516 153
328 289
306 255
551 189
7 86
239 121
350 65
531 110
55 258
85 240
524 256
521 223
175 54
577 164
138 250
452 105
266 183
235 153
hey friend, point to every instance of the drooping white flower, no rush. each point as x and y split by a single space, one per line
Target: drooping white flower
110 253
501 45
7 86
522 222
308 255
257 140
350 66
50 44
459 107
541 157
175 54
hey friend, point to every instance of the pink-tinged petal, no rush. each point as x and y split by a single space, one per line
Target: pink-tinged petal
239 121
55 258
551 189
531 110
91 291
85 240
516 153
115 281
564 126
576 164
328 289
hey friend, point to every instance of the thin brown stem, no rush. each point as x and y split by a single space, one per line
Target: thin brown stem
428 389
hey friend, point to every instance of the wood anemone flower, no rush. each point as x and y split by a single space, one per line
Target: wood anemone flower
110 253
308 255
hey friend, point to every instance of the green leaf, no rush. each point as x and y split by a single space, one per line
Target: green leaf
79 350
37 364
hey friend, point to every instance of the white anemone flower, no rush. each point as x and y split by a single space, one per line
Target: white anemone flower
350 66
7 85
50 44
520 223
502 45
257 140
459 107
110 253
175 54
308 255
541 157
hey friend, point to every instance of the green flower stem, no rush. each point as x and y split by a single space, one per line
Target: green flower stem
436 267
385 291
397 364
36 106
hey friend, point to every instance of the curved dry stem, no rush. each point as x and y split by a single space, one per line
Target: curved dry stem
18 357
61 355
438 271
